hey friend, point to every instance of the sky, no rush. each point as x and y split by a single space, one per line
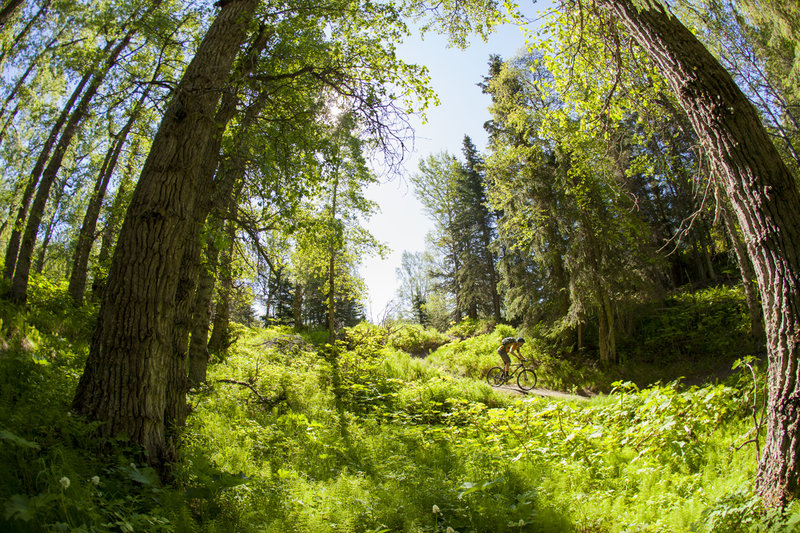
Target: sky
454 73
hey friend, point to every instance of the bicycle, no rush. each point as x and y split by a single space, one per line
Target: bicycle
526 377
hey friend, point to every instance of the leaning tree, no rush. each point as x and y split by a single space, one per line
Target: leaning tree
764 197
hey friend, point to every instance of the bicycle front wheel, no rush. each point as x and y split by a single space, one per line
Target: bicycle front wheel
526 379
495 376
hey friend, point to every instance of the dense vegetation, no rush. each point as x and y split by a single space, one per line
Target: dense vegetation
169 169
288 435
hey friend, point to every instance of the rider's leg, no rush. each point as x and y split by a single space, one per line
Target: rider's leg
506 361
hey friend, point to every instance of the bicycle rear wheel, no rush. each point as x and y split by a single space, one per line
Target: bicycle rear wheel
526 379
495 376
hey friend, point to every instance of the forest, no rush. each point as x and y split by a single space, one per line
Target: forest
183 340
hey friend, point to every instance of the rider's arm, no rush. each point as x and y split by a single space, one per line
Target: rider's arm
517 353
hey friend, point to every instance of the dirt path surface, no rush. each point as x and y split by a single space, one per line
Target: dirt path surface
516 391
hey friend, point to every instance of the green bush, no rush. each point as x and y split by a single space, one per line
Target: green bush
416 340
474 356
471 327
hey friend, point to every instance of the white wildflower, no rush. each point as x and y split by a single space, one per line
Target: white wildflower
435 509
64 481
450 530
95 480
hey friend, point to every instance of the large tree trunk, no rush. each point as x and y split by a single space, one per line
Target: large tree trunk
187 292
127 373
767 205
222 198
19 283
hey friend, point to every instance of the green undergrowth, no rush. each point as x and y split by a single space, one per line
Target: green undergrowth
54 475
360 436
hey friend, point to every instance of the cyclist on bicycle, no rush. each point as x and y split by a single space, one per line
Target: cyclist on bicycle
508 346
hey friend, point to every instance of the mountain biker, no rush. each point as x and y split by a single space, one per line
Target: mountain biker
508 346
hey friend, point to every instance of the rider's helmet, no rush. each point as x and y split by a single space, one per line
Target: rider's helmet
520 341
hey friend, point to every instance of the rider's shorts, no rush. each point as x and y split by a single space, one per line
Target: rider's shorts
504 355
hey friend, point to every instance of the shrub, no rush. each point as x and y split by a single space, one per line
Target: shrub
416 340
474 356
471 327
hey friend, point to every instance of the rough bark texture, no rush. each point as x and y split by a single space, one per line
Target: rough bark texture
220 338
748 281
201 320
767 206
193 308
129 366
186 293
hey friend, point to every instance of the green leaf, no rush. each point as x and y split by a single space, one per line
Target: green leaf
21 507
146 476
19 441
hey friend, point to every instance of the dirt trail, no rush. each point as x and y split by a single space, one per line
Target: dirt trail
513 389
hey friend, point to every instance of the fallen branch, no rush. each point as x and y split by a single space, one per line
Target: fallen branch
263 400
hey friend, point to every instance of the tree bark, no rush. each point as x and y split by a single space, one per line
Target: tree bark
187 294
767 206
198 345
113 220
48 232
23 33
199 310
297 306
127 373
20 83
220 338
334 243
749 285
